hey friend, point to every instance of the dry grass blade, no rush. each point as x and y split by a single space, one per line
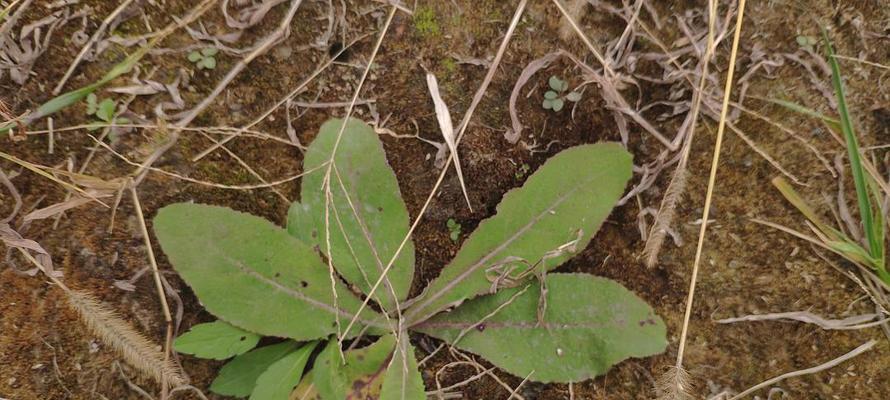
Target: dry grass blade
39 170
849 323
447 128
134 347
798 202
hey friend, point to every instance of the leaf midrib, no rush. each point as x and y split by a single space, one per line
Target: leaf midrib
460 278
300 296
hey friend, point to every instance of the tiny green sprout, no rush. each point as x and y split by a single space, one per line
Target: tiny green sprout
205 58
806 42
104 111
454 229
522 171
554 99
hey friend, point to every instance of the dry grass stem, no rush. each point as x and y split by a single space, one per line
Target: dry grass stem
675 374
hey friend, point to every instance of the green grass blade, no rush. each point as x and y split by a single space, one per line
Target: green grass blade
862 196
65 100
834 123
801 205
5 12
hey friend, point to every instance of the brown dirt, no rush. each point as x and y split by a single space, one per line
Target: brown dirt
45 352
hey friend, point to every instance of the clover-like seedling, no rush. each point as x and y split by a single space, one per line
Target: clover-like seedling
310 285
204 58
554 99
104 111
453 229
806 42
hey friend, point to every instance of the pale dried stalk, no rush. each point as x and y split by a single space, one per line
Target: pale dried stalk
681 391
329 197
158 285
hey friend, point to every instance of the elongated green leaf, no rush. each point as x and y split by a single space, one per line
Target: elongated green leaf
402 380
368 219
589 324
277 381
806 111
862 196
252 274
64 100
798 202
542 224
362 375
216 340
238 377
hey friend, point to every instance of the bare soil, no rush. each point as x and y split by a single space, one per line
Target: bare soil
46 353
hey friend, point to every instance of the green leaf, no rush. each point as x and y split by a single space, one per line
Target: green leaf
368 218
557 84
216 340
573 97
238 377
96 125
207 63
402 380
547 104
277 381
209 51
548 220
195 56
833 123
558 104
588 325
252 274
362 375
862 197
91 104
550 95
105 110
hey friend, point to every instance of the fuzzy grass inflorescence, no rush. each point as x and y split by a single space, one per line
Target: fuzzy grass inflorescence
133 346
